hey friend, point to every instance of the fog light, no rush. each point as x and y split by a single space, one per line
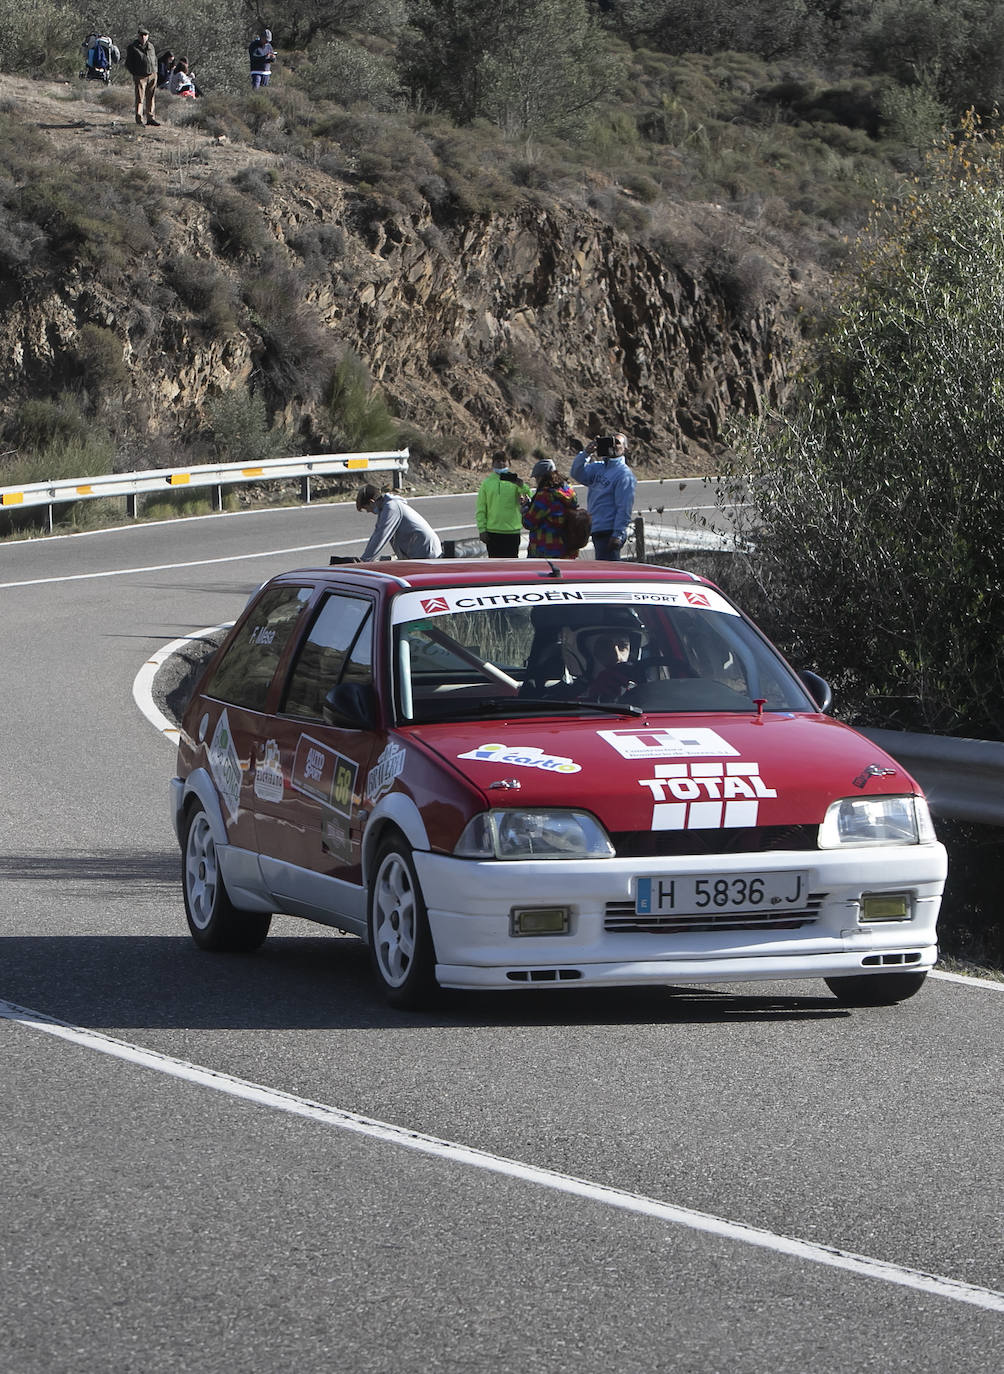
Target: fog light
885 906
539 920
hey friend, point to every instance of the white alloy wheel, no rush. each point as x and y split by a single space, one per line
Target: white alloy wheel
213 921
202 872
400 943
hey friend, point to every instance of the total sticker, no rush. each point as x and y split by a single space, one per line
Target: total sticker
706 796
522 756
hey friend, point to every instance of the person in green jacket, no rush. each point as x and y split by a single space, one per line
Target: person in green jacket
499 514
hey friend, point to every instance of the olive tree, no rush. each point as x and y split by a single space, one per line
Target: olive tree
874 501
525 65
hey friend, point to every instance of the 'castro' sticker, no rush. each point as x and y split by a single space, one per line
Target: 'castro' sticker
522 756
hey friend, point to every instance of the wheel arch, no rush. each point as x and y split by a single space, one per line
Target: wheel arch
200 788
395 812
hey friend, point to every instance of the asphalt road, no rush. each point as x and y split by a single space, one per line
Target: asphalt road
252 1164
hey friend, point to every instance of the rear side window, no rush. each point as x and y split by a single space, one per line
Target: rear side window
244 674
337 649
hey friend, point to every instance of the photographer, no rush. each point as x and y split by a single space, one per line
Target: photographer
498 513
602 468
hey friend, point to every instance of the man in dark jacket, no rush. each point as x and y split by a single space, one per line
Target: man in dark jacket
141 64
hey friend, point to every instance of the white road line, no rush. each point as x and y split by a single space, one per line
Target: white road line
934 1284
967 980
142 687
195 563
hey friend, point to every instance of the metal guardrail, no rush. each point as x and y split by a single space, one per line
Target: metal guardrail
963 778
132 485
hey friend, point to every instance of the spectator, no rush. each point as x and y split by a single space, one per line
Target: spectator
141 64
165 66
544 513
182 81
602 467
397 524
499 513
262 56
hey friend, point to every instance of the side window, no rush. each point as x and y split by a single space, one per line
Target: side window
245 672
338 648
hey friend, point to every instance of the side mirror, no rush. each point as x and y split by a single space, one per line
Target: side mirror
819 689
351 706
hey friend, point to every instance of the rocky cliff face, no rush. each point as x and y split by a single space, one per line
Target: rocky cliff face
540 320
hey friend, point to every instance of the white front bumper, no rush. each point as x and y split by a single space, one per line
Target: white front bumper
469 905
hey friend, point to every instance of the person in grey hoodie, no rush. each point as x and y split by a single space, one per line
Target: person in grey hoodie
611 486
397 524
141 64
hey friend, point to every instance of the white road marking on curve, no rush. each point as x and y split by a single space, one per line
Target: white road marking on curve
933 1284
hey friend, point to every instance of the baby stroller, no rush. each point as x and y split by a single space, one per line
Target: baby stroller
99 55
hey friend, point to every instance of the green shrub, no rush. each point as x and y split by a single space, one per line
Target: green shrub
294 352
206 291
237 224
359 418
878 486
239 429
100 357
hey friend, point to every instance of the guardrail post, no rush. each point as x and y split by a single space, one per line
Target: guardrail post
639 538
132 505
218 497
48 517
305 488
397 480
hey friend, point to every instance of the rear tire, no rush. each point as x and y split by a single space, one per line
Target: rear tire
875 989
401 949
213 920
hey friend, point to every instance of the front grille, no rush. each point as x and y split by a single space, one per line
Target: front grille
620 918
649 844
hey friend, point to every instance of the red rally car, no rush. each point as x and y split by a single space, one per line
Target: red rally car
510 774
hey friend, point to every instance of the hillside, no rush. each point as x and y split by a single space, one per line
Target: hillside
150 271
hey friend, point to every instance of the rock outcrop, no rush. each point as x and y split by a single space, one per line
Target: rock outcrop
540 320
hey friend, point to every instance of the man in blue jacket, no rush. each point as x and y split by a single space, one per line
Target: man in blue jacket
602 468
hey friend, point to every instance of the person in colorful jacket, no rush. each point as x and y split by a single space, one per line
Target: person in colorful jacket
611 485
499 509
544 513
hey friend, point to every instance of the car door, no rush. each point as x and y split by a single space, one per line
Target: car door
234 703
309 774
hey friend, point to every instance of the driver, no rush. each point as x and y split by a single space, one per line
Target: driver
612 673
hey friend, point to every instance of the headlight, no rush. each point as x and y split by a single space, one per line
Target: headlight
876 820
534 835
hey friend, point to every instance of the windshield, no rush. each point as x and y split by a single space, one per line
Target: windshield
474 653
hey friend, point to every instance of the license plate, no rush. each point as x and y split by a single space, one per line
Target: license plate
737 892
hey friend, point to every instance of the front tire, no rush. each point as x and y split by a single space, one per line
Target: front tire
213 920
401 950
875 989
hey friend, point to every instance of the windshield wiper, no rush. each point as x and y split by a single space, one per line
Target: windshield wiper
503 706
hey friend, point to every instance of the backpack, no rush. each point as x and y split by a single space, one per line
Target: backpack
101 52
578 527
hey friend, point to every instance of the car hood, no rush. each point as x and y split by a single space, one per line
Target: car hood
670 772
